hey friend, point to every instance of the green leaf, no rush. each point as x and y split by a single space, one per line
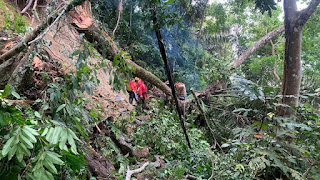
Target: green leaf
63 140
72 143
12 152
19 154
56 134
225 145
44 132
6 91
49 165
37 114
24 149
7 146
32 131
73 134
54 158
168 2
49 134
48 175
25 141
61 107
15 94
28 135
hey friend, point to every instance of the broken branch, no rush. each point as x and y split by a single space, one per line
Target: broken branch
25 9
120 8
135 171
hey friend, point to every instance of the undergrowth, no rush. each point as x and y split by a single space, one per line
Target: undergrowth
44 141
13 21
254 142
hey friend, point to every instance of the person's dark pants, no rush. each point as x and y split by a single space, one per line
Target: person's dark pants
142 100
132 96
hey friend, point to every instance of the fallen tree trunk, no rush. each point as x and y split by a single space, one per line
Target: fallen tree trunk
256 46
104 44
22 69
32 35
120 141
98 165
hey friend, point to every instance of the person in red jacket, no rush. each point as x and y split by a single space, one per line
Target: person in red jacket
142 92
132 90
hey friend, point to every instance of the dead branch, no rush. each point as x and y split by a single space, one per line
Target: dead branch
213 165
120 9
19 102
190 177
48 28
135 171
205 118
32 35
25 9
120 141
34 8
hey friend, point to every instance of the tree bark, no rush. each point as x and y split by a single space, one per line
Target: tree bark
292 73
23 68
98 165
31 36
256 46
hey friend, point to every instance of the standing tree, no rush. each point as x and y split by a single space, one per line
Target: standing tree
294 22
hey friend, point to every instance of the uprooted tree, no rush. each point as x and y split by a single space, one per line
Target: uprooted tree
85 24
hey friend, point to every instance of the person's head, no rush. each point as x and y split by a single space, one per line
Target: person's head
136 79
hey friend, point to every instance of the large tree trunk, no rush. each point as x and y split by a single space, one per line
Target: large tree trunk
256 46
292 73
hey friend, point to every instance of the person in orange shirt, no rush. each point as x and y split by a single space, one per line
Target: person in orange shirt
181 90
132 90
142 92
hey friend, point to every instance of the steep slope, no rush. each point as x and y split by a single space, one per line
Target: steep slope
62 41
